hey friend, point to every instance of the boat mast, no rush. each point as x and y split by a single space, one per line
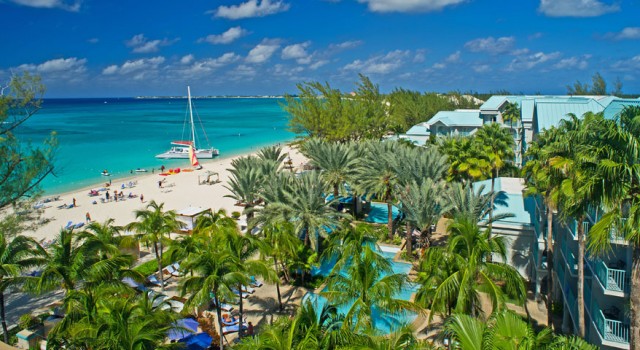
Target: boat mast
193 130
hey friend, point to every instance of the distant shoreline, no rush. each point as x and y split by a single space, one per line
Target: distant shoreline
204 97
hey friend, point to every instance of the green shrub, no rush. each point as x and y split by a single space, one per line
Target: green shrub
236 215
27 321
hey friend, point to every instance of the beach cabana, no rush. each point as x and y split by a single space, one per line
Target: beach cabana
188 216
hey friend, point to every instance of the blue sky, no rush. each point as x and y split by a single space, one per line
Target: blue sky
88 48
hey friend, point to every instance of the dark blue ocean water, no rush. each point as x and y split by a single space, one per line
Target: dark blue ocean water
124 134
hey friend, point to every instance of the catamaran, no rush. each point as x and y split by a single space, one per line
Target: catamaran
180 149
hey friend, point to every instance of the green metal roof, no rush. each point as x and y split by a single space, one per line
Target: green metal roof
493 103
616 106
419 129
511 200
551 111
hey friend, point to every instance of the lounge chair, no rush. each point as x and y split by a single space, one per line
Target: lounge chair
155 281
248 289
171 271
223 306
234 321
78 225
244 294
233 329
255 283
133 284
69 225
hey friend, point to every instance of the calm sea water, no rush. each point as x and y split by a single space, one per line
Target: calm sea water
124 134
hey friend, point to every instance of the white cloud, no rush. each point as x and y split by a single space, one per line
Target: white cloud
58 65
73 6
201 67
631 64
491 45
262 52
227 37
408 5
134 66
628 33
140 44
187 59
481 68
382 64
530 61
420 56
453 58
439 66
573 63
318 64
345 45
252 8
297 52
576 8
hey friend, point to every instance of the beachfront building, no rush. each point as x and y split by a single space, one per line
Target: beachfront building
461 122
519 230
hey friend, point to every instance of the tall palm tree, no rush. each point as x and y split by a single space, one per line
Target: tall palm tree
473 204
369 285
66 263
104 239
279 243
511 113
377 175
497 145
336 161
423 206
245 182
467 251
543 180
300 201
218 273
618 172
154 226
16 255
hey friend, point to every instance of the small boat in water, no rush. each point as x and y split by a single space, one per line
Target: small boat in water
105 173
139 170
181 149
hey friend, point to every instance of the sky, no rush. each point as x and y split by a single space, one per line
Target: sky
91 48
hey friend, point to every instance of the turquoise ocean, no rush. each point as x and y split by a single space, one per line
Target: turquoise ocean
123 134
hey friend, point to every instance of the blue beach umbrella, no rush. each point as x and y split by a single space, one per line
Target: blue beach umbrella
200 341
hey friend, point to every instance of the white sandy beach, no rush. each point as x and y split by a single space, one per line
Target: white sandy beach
178 192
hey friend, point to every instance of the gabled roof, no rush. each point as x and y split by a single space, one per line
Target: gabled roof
493 103
617 105
419 129
459 117
551 111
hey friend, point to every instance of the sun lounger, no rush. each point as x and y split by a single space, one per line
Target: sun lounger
171 271
78 225
244 294
234 320
155 281
69 225
233 329
248 289
223 307
255 283
133 284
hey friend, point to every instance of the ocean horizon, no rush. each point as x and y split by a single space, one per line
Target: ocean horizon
121 135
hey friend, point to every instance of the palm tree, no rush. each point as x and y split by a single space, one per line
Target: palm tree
467 161
497 145
504 331
369 285
511 113
104 239
467 253
423 206
66 263
218 273
279 242
377 175
543 180
153 226
300 201
336 161
245 182
473 204
618 173
16 255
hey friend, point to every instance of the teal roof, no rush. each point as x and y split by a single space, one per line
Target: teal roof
527 109
551 111
617 105
458 118
418 129
511 200
493 103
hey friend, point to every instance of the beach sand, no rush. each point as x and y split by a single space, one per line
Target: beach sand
178 192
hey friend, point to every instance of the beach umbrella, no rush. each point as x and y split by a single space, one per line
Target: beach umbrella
200 341
184 328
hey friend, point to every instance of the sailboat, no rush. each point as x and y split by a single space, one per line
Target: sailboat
182 149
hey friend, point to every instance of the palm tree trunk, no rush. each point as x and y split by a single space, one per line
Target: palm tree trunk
634 297
409 239
493 186
219 314
159 260
240 311
275 264
4 321
335 191
390 219
581 244
550 279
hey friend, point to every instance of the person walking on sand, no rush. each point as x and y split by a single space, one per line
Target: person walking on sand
106 195
88 217
160 184
141 198
162 168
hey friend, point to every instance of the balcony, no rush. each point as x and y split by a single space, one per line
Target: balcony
570 258
609 325
611 276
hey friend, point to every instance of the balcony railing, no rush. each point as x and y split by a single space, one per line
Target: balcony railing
610 329
612 279
570 259
572 302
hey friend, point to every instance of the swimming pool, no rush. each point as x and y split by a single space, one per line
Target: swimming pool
379 213
384 322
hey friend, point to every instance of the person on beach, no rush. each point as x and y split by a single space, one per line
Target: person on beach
88 217
141 198
162 168
106 195
160 184
250 329
74 202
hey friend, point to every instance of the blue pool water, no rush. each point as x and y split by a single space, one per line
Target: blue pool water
379 213
383 322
